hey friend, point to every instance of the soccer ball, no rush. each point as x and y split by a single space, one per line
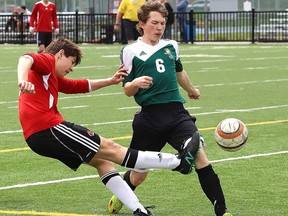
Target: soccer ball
231 134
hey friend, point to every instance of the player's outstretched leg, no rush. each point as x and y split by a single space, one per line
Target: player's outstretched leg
188 154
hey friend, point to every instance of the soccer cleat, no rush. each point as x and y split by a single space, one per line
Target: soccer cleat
188 154
139 213
114 205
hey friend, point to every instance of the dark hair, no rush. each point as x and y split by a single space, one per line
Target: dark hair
70 48
143 13
23 7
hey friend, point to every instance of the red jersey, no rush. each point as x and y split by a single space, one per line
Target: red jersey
44 15
39 111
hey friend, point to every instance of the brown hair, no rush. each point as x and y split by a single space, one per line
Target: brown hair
143 13
70 49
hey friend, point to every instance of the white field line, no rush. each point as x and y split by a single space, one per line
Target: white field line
105 123
9 71
91 95
127 108
205 56
75 107
10 132
244 83
97 176
195 114
6 67
248 46
249 156
240 110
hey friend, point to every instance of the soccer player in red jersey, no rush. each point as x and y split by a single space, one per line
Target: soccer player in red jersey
43 14
40 77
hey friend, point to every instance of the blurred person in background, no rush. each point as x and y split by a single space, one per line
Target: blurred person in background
127 11
41 19
11 23
182 8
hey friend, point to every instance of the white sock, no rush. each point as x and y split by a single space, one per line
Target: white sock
150 159
123 192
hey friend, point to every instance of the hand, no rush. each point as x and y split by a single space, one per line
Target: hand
143 82
119 75
26 87
195 94
57 31
116 28
31 30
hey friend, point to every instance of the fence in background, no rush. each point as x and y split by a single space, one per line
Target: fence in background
254 26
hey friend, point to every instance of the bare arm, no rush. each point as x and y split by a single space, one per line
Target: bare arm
131 88
24 66
185 83
118 21
115 79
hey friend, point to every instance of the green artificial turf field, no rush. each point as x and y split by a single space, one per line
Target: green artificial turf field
244 81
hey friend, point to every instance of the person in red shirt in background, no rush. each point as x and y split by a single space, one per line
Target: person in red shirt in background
43 14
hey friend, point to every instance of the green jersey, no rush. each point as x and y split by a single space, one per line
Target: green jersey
161 62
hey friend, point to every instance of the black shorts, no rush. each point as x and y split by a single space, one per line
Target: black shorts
156 125
131 32
70 143
44 38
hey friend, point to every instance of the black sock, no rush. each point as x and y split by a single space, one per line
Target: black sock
130 158
211 186
127 179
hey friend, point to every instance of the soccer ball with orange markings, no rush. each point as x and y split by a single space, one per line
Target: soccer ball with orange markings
231 134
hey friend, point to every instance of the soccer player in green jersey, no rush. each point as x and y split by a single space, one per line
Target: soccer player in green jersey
154 72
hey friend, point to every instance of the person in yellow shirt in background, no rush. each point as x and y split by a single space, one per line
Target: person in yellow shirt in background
128 12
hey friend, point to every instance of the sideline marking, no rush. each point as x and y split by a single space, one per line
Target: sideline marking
43 213
14 149
75 107
50 182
